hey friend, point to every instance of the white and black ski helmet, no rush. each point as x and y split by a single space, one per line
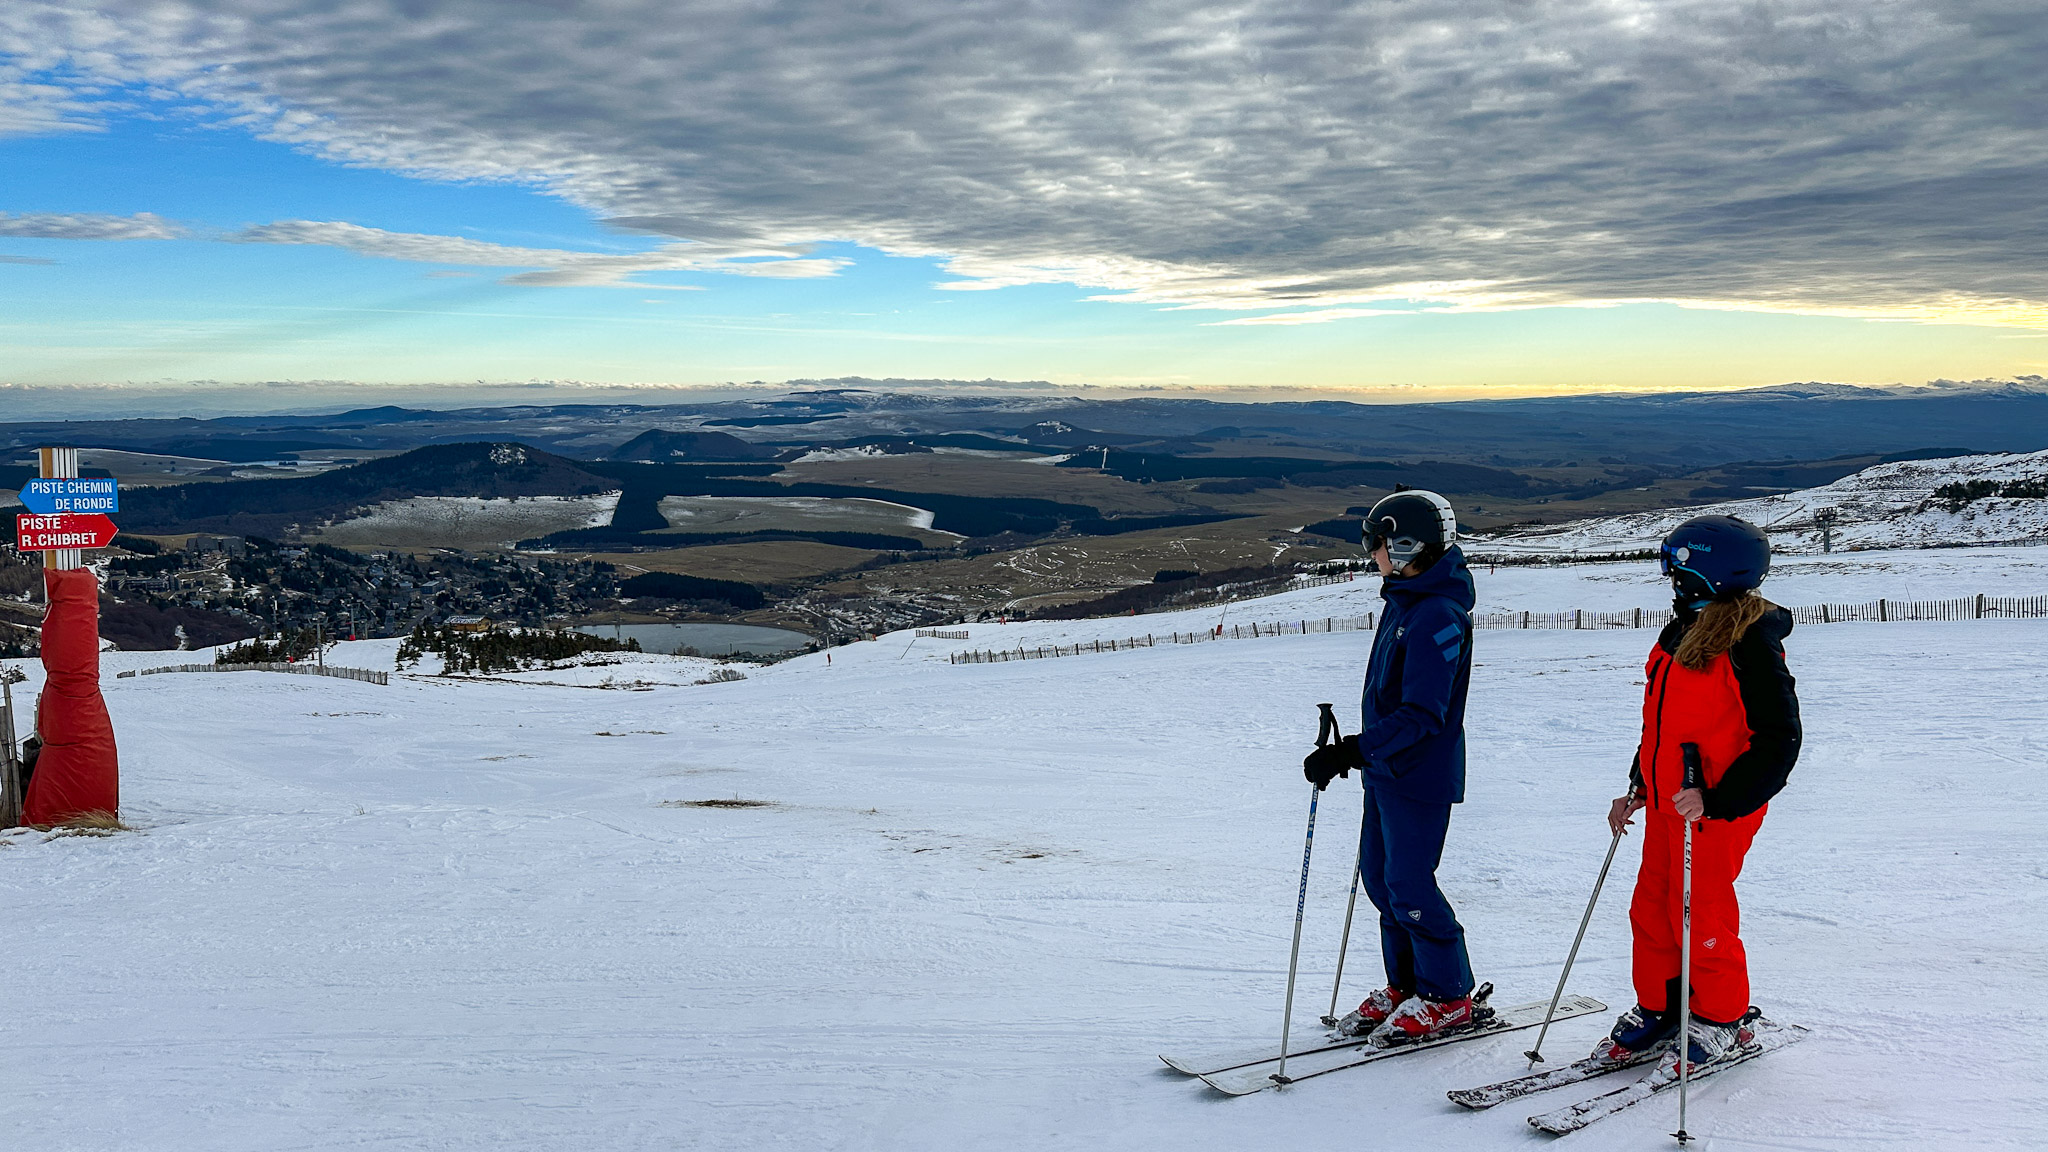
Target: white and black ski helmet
1410 523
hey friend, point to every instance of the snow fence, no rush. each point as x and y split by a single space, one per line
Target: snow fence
367 675
1979 607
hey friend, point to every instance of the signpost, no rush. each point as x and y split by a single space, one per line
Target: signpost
67 513
34 533
59 494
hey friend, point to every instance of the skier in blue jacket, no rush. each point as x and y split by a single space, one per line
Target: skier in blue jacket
1411 750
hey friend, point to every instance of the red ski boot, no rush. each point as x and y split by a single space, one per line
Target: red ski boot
1419 1018
1373 1012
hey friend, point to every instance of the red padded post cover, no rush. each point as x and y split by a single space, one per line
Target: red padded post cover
78 772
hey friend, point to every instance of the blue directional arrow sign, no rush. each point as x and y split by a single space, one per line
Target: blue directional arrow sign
83 494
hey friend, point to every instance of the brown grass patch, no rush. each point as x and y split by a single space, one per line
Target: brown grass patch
90 824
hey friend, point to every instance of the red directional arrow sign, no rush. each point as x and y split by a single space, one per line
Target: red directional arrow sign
62 530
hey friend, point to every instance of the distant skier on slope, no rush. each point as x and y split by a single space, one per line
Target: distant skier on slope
1717 681
1411 750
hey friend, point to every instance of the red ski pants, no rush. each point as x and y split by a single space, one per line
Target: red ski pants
1720 968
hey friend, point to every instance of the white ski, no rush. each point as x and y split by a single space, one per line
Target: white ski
1769 1038
1266 1053
1500 1092
1257 1076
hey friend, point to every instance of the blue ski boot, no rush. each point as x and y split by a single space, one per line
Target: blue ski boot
1637 1032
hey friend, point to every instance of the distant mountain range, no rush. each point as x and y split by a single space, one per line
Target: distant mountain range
266 507
270 507
1673 431
1538 452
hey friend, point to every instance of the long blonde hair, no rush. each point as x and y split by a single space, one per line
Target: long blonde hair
1720 626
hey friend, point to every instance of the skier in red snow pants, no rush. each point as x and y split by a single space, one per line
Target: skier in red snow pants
1715 683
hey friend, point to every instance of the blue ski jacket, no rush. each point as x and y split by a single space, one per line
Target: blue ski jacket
1412 729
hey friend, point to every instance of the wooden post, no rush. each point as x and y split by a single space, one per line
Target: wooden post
10 762
1883 610
1980 607
61 464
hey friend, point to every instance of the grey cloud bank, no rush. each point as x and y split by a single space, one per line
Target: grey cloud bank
88 226
1881 159
553 266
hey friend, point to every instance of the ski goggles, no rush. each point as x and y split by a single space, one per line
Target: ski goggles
1674 561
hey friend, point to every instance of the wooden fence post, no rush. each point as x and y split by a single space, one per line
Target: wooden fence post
1883 610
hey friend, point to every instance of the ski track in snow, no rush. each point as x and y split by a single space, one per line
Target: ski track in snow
451 915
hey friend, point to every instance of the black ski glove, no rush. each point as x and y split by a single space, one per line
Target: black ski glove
1330 761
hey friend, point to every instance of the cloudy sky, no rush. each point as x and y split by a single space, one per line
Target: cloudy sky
1464 196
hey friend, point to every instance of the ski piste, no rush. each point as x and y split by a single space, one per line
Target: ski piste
1769 1038
1500 1092
1257 1075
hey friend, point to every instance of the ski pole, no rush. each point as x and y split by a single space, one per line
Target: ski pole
1695 777
1535 1054
1350 906
1327 724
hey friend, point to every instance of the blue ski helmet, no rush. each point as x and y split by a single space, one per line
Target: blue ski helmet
1715 558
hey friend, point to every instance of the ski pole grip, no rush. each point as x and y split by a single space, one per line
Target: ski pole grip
1327 725
1695 775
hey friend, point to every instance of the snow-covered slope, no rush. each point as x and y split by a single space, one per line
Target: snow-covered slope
1885 506
468 521
1906 574
977 902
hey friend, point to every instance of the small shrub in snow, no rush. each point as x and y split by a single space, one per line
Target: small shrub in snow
503 651
291 644
1958 493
